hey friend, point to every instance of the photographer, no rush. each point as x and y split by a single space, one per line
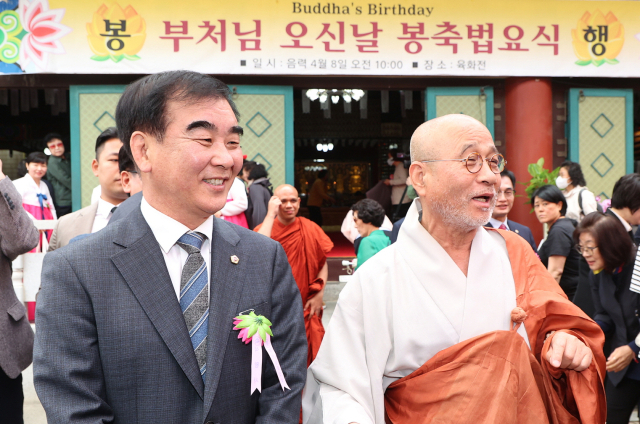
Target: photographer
399 200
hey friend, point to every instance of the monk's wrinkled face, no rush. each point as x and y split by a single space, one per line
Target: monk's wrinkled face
290 203
456 197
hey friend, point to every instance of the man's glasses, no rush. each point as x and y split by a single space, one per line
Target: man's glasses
56 146
508 193
474 162
582 250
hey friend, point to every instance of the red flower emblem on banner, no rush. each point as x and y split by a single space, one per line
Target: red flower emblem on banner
44 32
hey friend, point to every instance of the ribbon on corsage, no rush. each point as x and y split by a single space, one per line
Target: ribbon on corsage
255 329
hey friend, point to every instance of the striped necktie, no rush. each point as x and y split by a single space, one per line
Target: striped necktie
194 296
635 277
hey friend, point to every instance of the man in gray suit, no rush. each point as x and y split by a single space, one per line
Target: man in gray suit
135 323
18 235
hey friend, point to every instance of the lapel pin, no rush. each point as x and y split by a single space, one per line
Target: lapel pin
517 232
234 260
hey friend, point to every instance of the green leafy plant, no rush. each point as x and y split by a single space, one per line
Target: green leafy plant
539 177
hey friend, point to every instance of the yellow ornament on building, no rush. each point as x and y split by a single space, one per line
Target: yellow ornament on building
116 33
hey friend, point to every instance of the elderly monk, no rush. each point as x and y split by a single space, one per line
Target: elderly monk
306 246
455 323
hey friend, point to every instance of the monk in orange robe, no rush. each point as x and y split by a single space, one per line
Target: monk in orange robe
306 246
495 377
454 323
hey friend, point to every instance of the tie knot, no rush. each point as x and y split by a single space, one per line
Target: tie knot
191 241
502 227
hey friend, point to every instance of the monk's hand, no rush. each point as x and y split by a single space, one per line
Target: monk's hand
620 358
568 352
274 204
314 305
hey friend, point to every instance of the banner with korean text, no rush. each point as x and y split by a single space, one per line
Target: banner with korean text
306 37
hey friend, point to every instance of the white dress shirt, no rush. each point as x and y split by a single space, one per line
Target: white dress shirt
167 231
627 227
95 194
103 215
496 223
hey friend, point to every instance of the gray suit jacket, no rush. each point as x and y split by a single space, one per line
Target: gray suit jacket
126 207
112 344
18 235
72 225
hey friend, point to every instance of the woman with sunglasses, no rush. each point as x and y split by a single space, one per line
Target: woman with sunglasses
556 251
606 247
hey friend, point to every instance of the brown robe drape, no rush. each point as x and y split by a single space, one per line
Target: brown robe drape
306 246
496 378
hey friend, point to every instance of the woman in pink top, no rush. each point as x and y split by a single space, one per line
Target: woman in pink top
36 198
237 203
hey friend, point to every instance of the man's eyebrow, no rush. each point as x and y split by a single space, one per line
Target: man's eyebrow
201 124
467 147
237 130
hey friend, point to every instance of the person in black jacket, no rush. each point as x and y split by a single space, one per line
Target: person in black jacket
603 242
260 193
557 252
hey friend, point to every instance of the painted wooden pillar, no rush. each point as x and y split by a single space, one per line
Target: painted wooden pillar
529 137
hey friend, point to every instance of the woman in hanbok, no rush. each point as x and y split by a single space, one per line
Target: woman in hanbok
36 198
237 203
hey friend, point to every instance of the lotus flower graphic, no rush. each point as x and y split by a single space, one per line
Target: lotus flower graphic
116 33
44 32
598 39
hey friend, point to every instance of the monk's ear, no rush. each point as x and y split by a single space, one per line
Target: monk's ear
417 174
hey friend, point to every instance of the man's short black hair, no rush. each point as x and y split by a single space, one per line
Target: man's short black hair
125 162
258 171
552 194
575 173
36 157
322 173
626 193
106 135
370 212
143 105
51 136
511 175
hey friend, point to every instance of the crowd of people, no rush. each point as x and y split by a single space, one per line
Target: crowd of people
453 314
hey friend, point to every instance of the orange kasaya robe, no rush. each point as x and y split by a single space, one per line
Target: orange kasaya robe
496 378
306 246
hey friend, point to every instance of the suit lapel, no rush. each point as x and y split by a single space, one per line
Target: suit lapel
144 269
226 288
84 220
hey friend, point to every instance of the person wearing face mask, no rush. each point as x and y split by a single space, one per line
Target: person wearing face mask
603 242
399 200
556 251
580 201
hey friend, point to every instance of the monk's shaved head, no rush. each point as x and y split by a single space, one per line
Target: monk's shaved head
434 138
285 190
290 205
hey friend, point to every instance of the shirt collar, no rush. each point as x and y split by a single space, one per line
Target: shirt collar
627 227
496 223
167 230
104 207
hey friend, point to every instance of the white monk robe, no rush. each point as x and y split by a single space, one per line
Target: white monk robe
401 308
